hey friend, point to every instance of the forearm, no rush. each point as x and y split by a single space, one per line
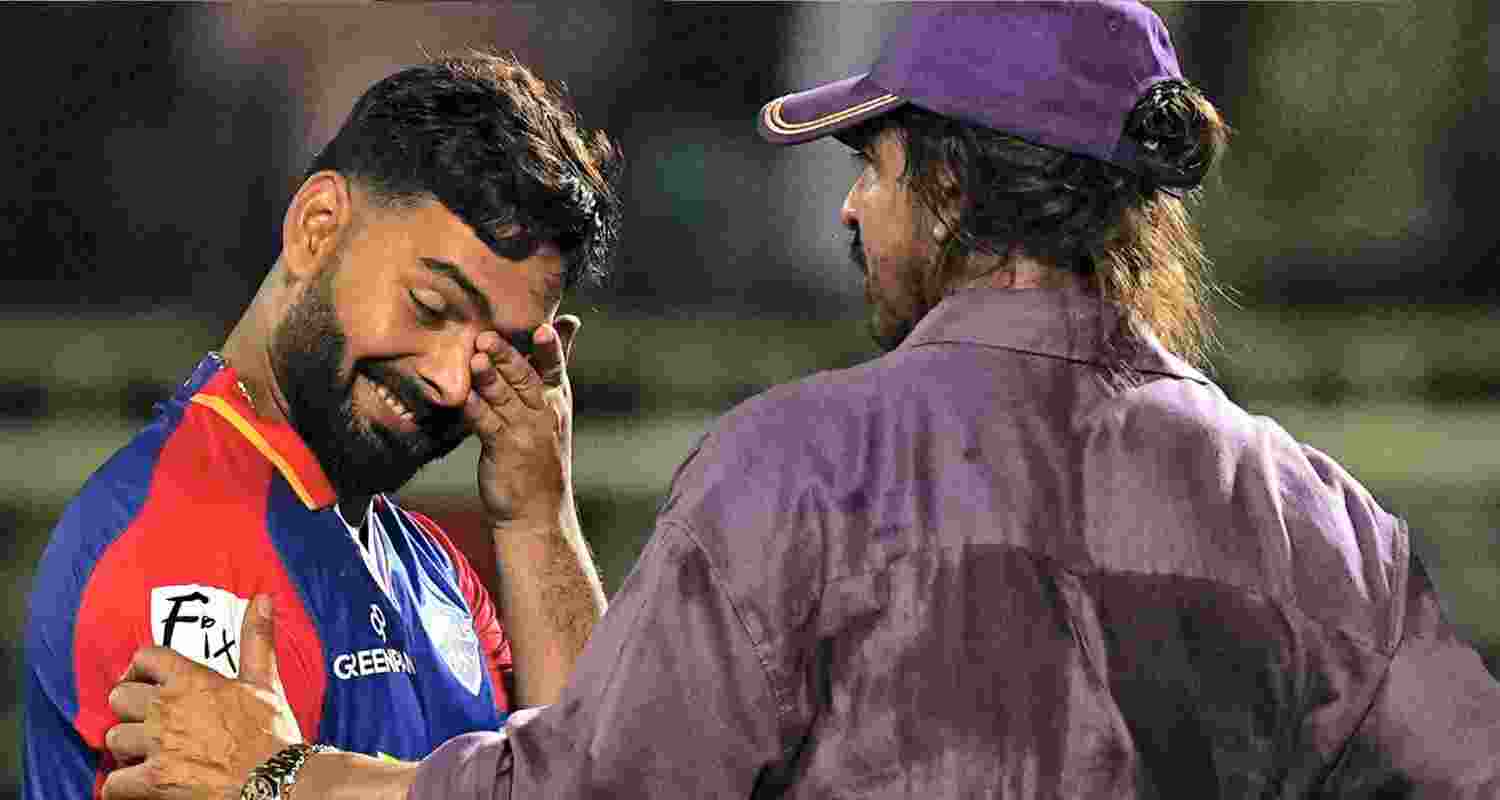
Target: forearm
550 598
349 776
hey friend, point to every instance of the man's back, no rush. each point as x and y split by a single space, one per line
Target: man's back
982 566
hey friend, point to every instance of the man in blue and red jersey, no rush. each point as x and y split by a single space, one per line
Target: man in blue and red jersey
413 303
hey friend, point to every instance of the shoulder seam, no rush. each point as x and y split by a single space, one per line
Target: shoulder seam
228 414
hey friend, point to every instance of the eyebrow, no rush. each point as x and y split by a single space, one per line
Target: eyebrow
519 339
453 273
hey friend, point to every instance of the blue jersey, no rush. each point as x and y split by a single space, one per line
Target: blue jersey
391 648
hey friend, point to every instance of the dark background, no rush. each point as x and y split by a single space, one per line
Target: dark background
152 150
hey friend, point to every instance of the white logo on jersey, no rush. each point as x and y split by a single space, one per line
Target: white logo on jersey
453 634
200 622
375 661
377 620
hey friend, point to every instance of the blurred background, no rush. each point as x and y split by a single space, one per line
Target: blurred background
153 150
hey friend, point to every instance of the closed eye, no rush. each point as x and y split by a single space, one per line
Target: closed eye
427 305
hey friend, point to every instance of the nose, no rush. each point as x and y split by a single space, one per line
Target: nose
445 370
847 215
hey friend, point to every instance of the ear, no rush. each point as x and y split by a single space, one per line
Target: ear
318 216
951 198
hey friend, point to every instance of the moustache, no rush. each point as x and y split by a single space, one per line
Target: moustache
437 421
857 249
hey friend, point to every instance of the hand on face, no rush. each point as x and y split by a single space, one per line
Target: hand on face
187 732
522 412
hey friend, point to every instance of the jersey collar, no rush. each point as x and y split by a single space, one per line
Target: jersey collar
276 441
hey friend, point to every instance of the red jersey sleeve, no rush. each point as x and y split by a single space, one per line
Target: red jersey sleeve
164 549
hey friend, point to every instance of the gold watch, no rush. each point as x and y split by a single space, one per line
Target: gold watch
273 779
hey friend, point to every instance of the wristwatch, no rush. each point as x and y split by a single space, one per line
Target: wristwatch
273 779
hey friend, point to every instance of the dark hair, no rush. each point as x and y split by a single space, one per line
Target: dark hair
496 146
1128 232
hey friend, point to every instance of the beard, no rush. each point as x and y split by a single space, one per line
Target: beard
887 325
360 457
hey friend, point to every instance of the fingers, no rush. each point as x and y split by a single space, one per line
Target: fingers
258 645
508 375
548 355
131 700
502 376
567 327
490 394
128 743
130 783
161 666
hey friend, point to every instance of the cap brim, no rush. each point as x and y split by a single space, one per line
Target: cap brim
827 109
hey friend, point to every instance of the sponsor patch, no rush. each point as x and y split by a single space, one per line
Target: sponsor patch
200 622
374 661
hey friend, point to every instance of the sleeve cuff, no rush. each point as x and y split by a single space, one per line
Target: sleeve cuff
468 767
465 767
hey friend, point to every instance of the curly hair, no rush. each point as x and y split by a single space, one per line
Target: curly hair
1127 232
498 147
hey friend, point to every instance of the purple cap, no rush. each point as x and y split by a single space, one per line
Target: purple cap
1062 74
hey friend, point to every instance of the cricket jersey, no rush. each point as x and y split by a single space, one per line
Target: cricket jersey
387 647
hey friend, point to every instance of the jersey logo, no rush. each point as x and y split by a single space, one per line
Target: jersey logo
200 622
377 621
454 636
383 660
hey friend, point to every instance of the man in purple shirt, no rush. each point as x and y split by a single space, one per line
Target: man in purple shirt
1031 551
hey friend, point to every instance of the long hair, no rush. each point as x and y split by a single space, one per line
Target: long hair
1128 233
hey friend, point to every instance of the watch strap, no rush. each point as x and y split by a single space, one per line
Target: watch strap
274 778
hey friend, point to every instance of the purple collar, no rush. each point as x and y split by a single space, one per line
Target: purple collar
1060 323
